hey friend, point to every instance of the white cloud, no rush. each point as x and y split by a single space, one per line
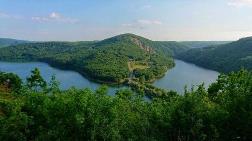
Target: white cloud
142 23
54 17
240 3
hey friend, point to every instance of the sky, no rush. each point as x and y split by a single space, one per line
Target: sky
75 20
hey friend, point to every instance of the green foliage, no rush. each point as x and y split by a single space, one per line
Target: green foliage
157 68
10 81
53 85
233 92
35 81
170 48
224 58
13 122
101 61
222 112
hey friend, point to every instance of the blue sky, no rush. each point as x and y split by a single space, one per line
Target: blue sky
98 19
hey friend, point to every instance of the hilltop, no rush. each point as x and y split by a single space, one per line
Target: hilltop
224 58
111 60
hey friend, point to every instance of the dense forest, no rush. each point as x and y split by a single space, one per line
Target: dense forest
111 60
223 58
36 110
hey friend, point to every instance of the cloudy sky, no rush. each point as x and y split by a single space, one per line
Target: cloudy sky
98 19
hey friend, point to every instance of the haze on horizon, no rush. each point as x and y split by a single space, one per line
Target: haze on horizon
179 20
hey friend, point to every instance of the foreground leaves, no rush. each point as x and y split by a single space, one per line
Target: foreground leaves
223 112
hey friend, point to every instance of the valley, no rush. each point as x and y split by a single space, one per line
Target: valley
109 61
125 70
129 59
124 73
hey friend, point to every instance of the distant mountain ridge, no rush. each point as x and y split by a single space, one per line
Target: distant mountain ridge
201 44
224 58
4 42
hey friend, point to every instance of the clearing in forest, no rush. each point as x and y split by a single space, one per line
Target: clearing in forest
132 65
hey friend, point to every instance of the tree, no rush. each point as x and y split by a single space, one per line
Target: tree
124 94
221 113
54 85
10 81
35 81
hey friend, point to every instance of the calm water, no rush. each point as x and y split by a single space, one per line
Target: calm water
66 78
186 74
175 79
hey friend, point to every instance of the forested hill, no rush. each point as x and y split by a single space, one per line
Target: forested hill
109 60
4 42
223 58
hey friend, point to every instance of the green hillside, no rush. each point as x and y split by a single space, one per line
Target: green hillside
223 58
4 42
109 60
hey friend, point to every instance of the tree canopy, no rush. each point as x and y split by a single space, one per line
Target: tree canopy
221 112
223 58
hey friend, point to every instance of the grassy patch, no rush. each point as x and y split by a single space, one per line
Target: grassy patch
132 65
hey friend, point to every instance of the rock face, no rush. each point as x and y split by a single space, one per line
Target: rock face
147 48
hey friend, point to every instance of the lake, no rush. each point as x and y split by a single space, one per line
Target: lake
66 78
186 74
175 79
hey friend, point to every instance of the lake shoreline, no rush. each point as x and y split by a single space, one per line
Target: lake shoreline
174 79
69 67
